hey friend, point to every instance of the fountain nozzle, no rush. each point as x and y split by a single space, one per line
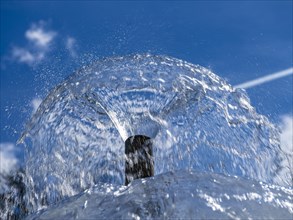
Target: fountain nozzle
139 161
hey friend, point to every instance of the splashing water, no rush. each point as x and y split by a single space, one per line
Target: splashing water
197 122
177 195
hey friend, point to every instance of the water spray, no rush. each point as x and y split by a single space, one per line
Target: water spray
100 126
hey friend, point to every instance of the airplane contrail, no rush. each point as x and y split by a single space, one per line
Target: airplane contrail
265 79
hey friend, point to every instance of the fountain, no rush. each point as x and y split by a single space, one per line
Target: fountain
175 116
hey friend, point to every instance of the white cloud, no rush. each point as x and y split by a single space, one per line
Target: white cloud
36 103
8 160
39 38
71 46
23 55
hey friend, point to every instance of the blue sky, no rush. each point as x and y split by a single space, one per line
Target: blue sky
44 42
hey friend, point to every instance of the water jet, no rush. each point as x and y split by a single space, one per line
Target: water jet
172 114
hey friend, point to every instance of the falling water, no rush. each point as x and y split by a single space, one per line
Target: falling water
198 122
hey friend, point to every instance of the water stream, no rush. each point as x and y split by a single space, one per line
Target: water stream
198 123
